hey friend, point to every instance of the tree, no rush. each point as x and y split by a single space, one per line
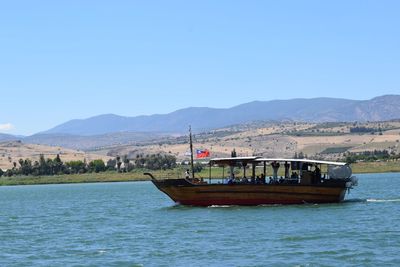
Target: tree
97 165
126 163
198 167
119 163
25 166
350 159
36 168
58 166
157 162
50 167
44 168
111 163
9 173
139 161
76 166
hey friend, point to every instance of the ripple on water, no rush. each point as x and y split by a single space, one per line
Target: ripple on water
133 224
383 200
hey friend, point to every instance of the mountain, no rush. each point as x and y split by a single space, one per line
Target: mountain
201 118
8 137
91 142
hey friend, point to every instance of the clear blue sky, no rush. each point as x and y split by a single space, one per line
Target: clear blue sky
61 60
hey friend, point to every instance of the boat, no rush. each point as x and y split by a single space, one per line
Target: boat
270 181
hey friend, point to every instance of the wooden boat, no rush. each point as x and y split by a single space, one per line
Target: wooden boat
305 184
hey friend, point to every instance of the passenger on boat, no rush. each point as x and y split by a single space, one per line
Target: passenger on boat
317 173
187 174
275 166
262 179
237 180
253 180
244 180
287 166
231 180
294 178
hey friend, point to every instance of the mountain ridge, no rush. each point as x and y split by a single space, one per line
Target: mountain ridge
322 109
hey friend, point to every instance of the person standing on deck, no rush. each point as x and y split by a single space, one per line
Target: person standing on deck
233 155
317 172
287 166
275 166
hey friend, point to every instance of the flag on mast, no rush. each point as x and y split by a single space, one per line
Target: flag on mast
202 153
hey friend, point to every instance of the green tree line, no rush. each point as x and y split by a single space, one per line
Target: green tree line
375 155
56 166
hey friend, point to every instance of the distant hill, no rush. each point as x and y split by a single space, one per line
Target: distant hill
91 142
12 151
7 137
201 118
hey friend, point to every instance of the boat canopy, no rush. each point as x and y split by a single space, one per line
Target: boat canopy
234 160
302 160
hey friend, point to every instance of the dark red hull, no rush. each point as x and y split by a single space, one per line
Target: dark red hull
187 193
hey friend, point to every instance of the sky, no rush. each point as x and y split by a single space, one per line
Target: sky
63 60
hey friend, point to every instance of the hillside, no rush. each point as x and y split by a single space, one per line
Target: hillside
318 140
307 110
91 142
268 139
12 151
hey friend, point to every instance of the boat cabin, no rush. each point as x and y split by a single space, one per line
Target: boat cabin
258 170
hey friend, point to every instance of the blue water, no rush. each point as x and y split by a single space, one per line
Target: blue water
133 224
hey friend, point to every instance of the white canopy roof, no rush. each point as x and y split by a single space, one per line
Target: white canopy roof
303 160
231 160
235 158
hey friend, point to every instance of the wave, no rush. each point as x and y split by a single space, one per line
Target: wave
222 206
177 206
376 200
355 200
383 200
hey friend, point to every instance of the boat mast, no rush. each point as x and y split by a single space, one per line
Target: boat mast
191 150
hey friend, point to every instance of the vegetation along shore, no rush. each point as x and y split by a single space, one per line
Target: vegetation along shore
137 174
371 147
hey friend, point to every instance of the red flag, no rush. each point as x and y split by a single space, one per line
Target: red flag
202 153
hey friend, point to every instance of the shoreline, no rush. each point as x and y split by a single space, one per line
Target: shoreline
137 176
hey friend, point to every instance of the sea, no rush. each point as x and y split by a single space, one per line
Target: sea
134 224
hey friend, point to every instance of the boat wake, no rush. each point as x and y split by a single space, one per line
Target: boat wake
355 200
371 200
383 200
222 206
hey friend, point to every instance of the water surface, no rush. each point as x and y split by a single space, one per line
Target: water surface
133 224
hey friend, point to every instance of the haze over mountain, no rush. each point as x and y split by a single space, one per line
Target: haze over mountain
7 137
203 118
90 142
